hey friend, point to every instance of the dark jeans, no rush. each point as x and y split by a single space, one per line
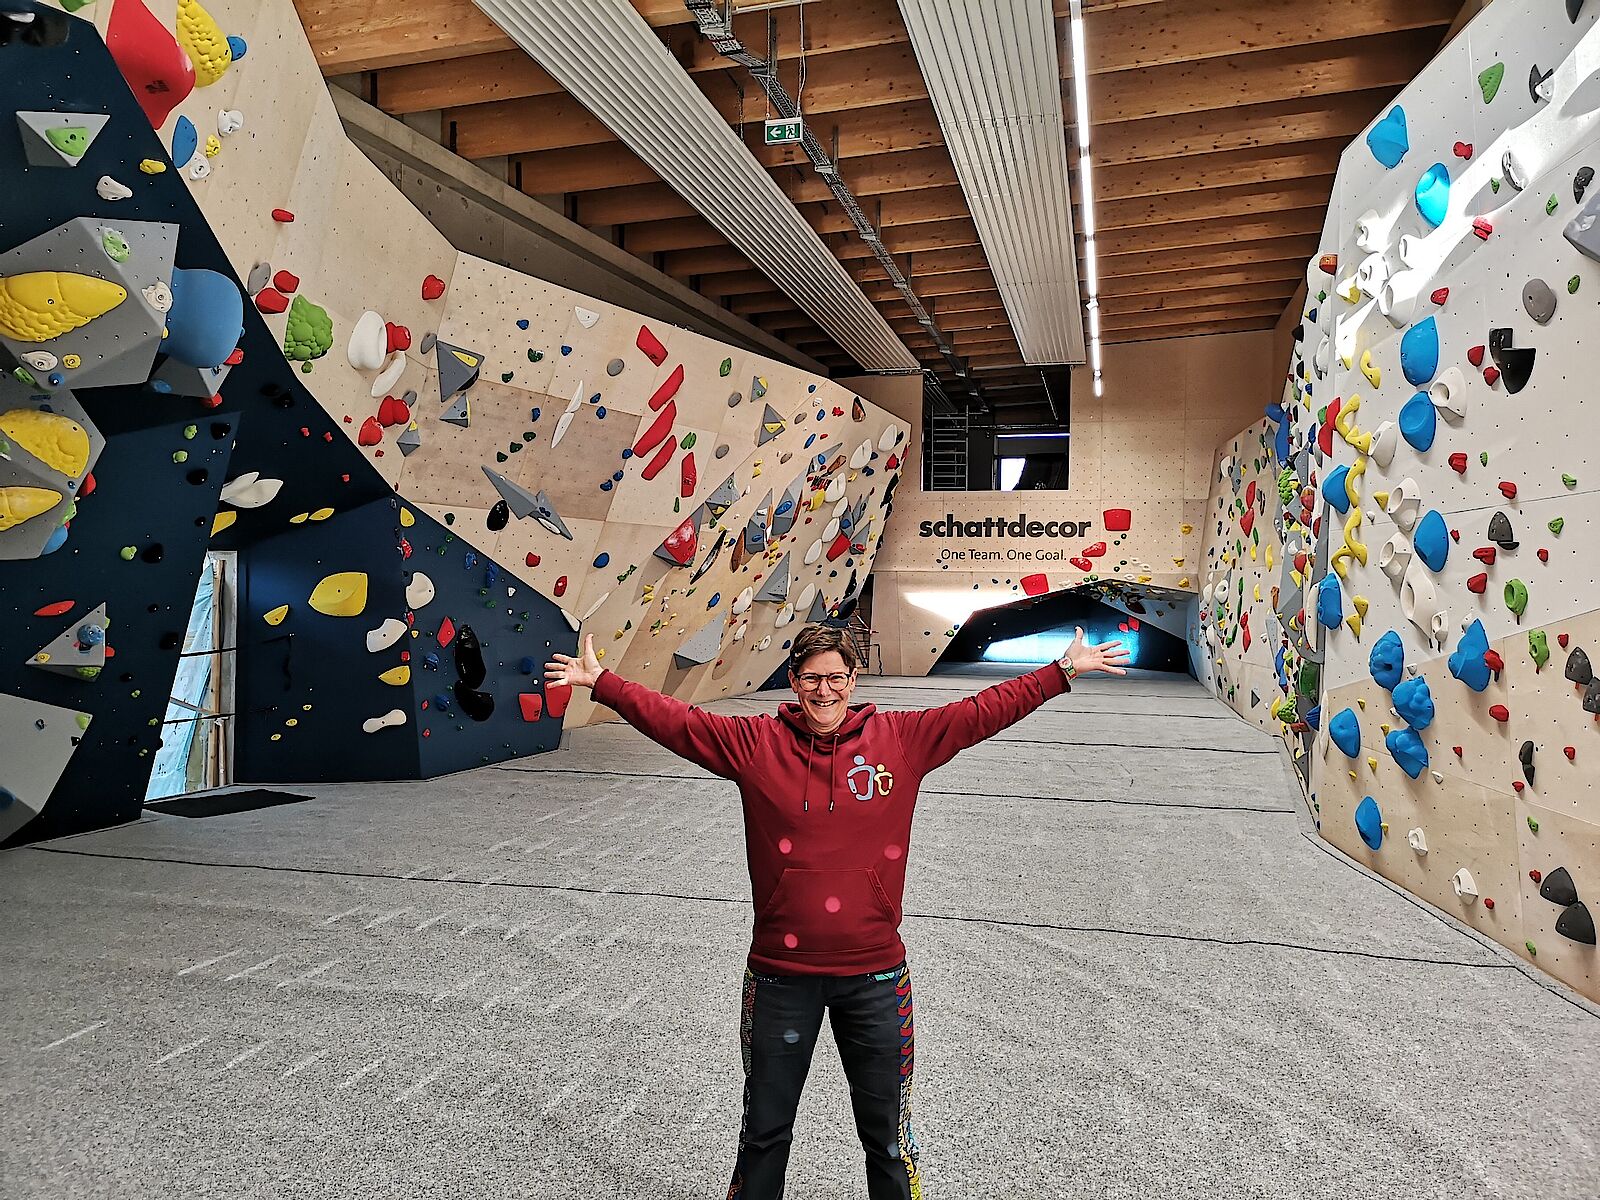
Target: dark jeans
871 1017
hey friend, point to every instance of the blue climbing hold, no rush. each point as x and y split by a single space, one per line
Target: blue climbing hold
533 414
523 323
56 540
820 414
565 350
1419 352
204 321
1334 490
1414 702
616 476
1314 717
1369 822
716 598
1406 748
1433 194
1432 541
1345 730
627 452
469 560
606 485
162 386
600 412
432 660
491 575
602 559
237 46
1388 140
185 141
1330 603
527 665
1419 421
811 438
1387 661
1467 664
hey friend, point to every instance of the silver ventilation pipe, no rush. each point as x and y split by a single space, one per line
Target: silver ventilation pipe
715 21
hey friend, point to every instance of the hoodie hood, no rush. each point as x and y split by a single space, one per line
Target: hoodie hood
855 720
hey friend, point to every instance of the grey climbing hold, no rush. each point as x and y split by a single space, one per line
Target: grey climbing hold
788 509
426 344
819 610
771 426
260 276
1539 300
722 451
614 367
459 413
58 139
1583 231
519 500
1500 532
699 647
409 441
776 588
183 380
723 498
1512 171
458 369
755 529
734 400
1578 669
80 651
545 513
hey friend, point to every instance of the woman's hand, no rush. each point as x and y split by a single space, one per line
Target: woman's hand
579 672
1110 657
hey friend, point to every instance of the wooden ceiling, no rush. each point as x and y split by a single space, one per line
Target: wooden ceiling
1217 131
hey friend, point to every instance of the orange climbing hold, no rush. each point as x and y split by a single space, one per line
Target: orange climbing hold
56 609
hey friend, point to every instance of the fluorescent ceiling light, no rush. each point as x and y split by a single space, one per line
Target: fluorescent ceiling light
994 77
605 55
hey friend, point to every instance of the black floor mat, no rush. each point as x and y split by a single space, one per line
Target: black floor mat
221 805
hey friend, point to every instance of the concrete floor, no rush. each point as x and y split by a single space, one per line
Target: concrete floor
1136 976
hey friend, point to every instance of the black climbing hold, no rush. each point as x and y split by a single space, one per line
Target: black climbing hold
1299 333
1578 669
1576 924
1514 363
220 431
198 476
171 640
153 553
499 515
1500 532
469 657
1558 887
1525 756
1581 182
477 705
1537 80
1591 697
1574 7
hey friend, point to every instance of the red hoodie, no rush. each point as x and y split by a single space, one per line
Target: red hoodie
827 817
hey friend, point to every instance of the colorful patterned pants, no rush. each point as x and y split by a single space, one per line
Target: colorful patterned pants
872 1024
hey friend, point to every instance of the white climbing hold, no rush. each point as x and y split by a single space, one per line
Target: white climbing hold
566 418
229 121
1464 885
1384 440
250 490
110 189
390 375
385 635
835 489
199 169
813 552
419 591
368 342
862 456
1449 392
40 360
594 608
158 296
1417 841
803 604
738 634
785 616
742 602
890 437
389 720
586 316
764 642
830 530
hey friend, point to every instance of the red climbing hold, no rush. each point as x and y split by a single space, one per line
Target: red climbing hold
1457 750
1570 751
432 287
1561 640
1475 355
1458 463
1463 149
1083 564
1035 585
682 543
1478 584
688 476
1095 551
1544 555
212 401
532 705
1248 521
393 411
159 73
1482 228
560 588
1492 660
1536 875
56 609
271 300
657 433
651 345
662 458
532 560
447 632
283 216
1300 561
1118 520
1250 495
399 337
668 389
286 282
893 464
1440 295
840 545
371 432
1325 431
1485 555
1328 264
234 359
556 698
1500 713
1488 901
1491 375
1508 490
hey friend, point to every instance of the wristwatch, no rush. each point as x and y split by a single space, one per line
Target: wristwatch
1070 671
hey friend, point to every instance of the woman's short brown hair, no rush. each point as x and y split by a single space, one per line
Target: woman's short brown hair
819 639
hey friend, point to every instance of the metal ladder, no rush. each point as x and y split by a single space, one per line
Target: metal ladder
947 452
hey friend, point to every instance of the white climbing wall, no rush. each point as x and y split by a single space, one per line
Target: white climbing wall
1489 526
300 210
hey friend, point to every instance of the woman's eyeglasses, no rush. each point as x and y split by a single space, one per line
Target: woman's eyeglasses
810 683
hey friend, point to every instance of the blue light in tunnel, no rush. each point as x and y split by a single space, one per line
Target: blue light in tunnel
1052 644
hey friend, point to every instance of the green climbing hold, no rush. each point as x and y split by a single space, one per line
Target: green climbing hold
1532 949
727 365
1533 826
1489 81
305 367
1321 296
500 456
1484 458
309 333
1494 185
83 720
1570 480
1551 205
1572 286
72 140
535 355
1557 524
449 518
25 377
115 245
505 376
128 552
1539 647
688 442
189 432
180 456
1288 486
1516 595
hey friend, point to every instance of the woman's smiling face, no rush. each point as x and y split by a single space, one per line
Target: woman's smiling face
825 706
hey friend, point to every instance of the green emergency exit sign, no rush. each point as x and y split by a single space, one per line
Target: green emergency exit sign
783 131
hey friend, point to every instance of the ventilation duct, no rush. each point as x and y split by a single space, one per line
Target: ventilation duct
992 73
605 55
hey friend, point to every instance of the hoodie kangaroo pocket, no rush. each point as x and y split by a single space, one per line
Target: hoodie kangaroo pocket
826 912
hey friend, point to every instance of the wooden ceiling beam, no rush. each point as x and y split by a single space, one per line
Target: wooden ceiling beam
582 169
885 129
934 285
908 239
1279 291
913 208
933 262
954 322
1226 168
704 260
733 283
1180 234
645 205
987 362
1170 282
1215 203
749 306
832 27
679 233
1191 316
368 35
1209 329
872 174
1195 257
523 126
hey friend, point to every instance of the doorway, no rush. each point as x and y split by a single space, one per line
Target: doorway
197 733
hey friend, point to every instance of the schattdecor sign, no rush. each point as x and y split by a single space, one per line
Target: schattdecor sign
1017 528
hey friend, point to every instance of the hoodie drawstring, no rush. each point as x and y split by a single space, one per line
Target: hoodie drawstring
833 751
806 804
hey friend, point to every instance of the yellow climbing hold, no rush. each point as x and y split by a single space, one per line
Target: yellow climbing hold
41 305
213 145
57 441
407 520
1269 558
1184 582
1372 765
1146 578
1362 604
1258 593
1354 621
341 595
152 166
19 504
600 653
1370 369
1177 562
322 514
1361 704
299 518
204 42
396 676
276 615
1384 725
221 521
72 362
1381 499
1186 528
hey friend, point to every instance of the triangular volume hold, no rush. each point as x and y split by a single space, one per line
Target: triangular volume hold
776 588
819 610
679 546
459 413
755 529
700 646
788 510
80 651
58 139
410 440
771 426
519 500
458 369
724 498
545 513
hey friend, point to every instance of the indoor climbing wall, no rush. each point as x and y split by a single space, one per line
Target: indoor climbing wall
1440 420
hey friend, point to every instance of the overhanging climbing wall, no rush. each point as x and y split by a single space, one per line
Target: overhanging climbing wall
222 322
1441 411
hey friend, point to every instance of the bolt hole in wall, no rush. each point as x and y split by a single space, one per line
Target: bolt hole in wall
196 749
1036 630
